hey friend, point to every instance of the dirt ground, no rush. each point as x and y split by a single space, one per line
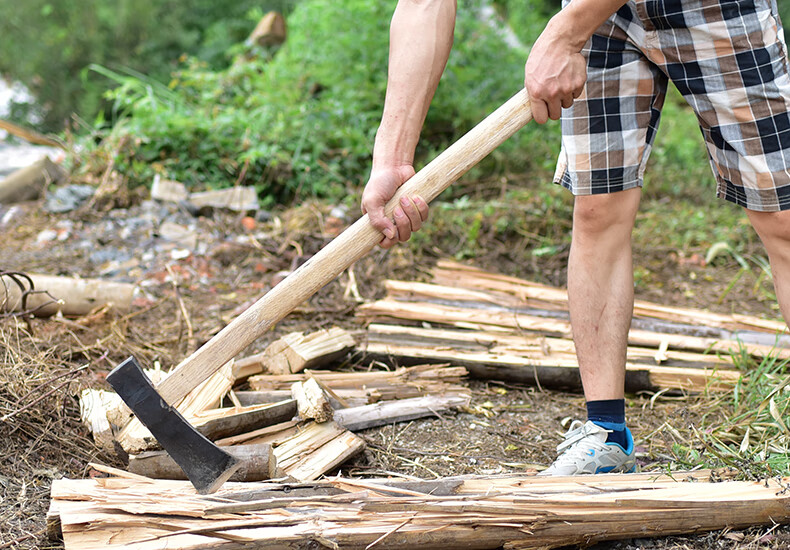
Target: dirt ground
187 296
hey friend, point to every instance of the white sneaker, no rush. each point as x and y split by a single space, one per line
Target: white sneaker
585 451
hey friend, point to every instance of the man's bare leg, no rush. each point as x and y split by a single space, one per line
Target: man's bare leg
774 231
601 289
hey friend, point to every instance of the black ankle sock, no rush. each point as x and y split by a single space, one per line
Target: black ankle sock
610 415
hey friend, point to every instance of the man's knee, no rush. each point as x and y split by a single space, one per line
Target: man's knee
614 212
772 227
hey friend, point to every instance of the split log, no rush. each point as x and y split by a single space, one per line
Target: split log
220 423
258 463
454 274
375 386
311 401
559 373
351 398
68 295
28 184
94 405
296 351
496 318
316 450
401 410
515 512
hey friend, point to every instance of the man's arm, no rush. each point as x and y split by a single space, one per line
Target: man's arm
421 35
556 71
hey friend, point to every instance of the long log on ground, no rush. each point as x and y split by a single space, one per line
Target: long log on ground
28 183
258 463
502 319
514 512
51 294
557 373
454 274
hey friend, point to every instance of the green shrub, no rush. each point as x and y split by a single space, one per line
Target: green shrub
302 123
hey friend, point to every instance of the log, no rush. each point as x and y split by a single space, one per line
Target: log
402 410
375 386
94 406
351 398
495 318
28 184
258 463
475 512
31 136
220 423
558 373
67 295
315 450
311 401
468 277
296 351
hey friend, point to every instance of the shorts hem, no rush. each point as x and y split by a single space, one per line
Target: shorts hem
732 193
598 187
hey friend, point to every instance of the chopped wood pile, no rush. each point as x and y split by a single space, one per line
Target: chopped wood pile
506 328
514 512
297 423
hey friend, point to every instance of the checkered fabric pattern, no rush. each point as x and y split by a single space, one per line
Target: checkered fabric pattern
728 59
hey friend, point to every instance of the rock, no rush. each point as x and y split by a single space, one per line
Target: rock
179 234
66 199
237 199
168 191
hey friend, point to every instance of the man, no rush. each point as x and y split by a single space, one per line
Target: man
605 65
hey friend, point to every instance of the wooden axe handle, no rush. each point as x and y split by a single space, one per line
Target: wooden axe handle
337 256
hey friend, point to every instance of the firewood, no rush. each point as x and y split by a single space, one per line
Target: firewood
375 386
68 295
468 277
94 405
296 351
311 401
401 410
220 423
28 183
315 450
258 463
496 318
476 512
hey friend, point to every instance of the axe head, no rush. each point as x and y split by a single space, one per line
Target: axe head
206 465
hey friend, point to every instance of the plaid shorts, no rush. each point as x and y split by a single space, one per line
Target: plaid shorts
728 59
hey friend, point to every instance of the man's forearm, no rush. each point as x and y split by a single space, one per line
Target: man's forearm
421 35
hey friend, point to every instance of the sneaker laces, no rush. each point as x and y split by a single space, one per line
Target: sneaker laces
569 448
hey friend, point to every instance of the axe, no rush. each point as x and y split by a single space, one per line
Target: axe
206 465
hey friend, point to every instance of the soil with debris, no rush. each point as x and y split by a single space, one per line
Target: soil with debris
195 274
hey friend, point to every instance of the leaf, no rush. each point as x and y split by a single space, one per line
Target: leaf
776 415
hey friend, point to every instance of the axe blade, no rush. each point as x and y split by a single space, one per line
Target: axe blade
205 464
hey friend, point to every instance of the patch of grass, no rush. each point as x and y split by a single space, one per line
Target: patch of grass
748 427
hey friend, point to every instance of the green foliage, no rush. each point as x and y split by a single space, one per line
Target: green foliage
48 44
302 123
753 436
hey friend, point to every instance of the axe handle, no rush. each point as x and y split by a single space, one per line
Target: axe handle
337 256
